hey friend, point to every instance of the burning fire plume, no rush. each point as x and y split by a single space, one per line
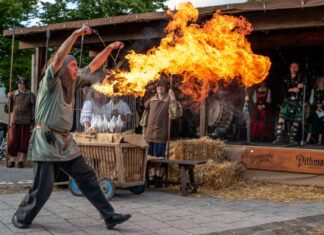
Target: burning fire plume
203 55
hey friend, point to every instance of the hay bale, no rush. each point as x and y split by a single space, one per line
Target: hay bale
199 149
218 175
212 174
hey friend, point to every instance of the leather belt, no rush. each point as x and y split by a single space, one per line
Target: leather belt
63 134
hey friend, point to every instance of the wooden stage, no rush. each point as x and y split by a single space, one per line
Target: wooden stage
281 162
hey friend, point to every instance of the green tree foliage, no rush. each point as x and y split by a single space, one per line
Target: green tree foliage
67 10
17 13
13 14
103 8
55 12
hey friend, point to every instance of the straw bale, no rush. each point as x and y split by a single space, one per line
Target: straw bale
199 149
218 175
212 174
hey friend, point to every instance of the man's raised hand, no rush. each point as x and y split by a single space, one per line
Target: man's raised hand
85 30
116 45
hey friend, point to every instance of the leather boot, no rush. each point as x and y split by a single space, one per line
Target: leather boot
293 135
116 219
19 224
11 164
278 134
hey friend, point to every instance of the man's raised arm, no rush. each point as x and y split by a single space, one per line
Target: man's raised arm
65 48
102 57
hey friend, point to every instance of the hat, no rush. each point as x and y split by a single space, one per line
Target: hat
163 83
21 80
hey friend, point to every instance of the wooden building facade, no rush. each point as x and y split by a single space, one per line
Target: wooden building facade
283 30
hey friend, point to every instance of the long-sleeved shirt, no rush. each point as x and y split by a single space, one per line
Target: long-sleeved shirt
158 111
89 108
22 106
121 107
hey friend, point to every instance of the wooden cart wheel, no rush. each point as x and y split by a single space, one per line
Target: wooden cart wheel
107 187
74 188
138 189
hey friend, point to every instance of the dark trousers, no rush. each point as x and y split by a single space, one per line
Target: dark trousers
45 174
18 139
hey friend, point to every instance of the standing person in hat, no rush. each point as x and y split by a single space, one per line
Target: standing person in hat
21 103
158 109
53 148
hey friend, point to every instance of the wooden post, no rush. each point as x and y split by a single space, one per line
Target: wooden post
203 113
203 126
39 65
33 82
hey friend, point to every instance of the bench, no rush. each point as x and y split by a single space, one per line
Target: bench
188 181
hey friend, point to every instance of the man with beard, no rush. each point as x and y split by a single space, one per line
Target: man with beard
53 148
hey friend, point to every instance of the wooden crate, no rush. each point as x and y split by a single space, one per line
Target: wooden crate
123 163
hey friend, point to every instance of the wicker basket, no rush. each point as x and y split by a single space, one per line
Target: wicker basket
122 162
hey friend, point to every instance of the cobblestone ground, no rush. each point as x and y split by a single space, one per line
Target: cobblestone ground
164 213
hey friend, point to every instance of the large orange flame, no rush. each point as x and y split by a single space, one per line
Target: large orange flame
203 55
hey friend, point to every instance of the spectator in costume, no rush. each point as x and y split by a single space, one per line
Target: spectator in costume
95 104
291 109
316 117
261 120
158 110
117 106
21 103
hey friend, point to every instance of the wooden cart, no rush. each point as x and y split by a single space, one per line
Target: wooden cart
118 160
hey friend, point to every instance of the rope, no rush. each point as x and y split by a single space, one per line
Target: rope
81 49
103 43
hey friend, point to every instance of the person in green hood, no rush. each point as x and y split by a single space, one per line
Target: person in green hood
53 148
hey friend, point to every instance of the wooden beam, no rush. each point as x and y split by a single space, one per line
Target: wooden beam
136 32
265 8
286 39
25 45
287 19
150 16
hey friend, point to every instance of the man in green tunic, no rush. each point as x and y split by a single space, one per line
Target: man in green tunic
53 148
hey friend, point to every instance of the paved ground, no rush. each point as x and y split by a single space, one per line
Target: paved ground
160 213
163 213
14 175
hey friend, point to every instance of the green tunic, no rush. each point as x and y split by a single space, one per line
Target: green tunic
52 112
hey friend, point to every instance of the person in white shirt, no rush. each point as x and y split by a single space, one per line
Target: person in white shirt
116 107
95 104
